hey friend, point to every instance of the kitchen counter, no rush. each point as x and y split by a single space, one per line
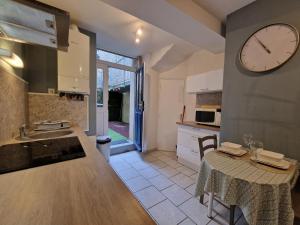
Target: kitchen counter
84 191
196 125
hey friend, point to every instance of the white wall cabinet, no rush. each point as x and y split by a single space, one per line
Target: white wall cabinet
188 147
74 65
211 81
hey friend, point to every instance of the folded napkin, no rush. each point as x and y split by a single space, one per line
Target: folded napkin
269 155
231 145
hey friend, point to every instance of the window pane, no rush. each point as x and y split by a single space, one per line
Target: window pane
99 87
114 58
119 79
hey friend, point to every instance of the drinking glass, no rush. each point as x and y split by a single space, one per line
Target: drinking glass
247 139
256 146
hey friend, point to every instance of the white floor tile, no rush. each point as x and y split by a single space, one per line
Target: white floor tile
157 164
169 153
164 158
165 213
194 176
119 165
155 153
149 173
191 189
148 158
186 171
182 180
173 163
137 183
128 174
176 194
173 185
223 213
168 171
149 197
187 221
140 165
195 211
132 157
161 182
115 158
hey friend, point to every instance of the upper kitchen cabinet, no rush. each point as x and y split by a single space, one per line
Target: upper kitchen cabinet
211 81
74 65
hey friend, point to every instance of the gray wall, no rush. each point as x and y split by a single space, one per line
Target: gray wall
268 106
41 68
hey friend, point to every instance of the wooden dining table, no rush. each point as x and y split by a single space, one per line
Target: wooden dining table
263 193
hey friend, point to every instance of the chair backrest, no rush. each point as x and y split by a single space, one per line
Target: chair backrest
203 146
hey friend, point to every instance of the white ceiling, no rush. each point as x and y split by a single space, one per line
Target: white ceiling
176 20
116 29
222 8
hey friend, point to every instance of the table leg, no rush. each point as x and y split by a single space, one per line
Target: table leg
210 204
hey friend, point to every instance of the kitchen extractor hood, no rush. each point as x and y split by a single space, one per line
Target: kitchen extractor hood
33 22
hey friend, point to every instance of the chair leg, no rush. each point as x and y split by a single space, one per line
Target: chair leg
231 219
210 204
201 199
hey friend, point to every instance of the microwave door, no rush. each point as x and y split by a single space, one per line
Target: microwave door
205 117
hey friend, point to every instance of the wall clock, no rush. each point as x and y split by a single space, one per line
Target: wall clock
269 47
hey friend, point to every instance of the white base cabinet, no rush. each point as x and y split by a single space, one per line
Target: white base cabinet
188 152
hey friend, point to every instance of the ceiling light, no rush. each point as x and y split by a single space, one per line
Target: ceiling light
139 32
137 40
11 58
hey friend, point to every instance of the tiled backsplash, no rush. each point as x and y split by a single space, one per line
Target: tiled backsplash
209 99
52 107
13 99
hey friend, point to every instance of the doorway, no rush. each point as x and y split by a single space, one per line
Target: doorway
120 103
116 102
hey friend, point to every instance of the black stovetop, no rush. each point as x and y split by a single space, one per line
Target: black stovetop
26 155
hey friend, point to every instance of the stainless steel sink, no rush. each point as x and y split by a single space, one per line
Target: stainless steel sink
46 135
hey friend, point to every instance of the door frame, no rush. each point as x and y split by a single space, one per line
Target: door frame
104 68
104 65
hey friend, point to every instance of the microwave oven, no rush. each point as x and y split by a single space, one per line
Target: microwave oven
208 116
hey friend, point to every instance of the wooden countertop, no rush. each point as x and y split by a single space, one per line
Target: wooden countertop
84 191
196 125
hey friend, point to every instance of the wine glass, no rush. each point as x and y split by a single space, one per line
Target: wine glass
256 146
247 139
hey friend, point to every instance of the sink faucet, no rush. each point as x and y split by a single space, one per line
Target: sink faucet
22 130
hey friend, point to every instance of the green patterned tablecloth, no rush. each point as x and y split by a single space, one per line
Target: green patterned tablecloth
263 193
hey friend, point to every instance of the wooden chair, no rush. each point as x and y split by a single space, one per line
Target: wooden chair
204 146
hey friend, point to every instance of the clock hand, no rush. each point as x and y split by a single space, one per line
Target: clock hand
262 45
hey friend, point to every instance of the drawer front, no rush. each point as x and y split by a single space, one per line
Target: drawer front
188 155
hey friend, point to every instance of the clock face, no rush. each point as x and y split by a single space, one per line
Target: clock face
269 47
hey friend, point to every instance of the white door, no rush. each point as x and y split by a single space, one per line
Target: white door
170 105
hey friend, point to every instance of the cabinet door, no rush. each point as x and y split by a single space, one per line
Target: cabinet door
196 83
184 139
75 62
215 80
191 158
206 82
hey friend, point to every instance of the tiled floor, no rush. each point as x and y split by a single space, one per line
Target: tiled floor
165 189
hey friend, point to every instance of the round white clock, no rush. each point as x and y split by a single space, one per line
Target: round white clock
269 47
